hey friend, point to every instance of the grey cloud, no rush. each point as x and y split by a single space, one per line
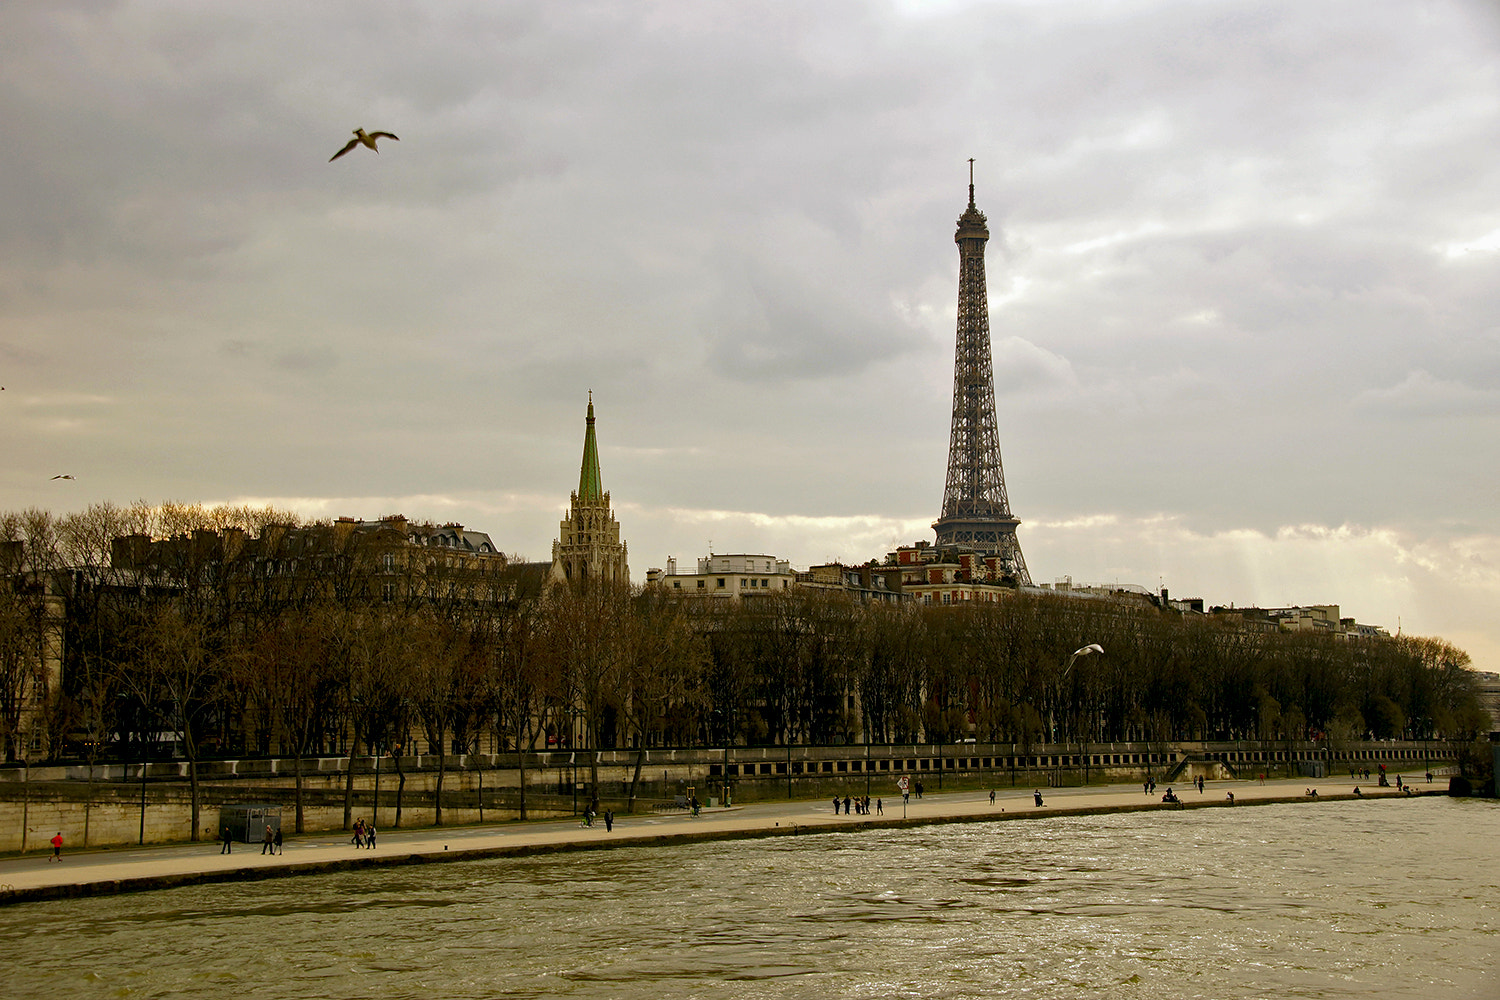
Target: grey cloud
1422 395
774 323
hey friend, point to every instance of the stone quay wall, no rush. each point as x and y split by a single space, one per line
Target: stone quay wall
113 804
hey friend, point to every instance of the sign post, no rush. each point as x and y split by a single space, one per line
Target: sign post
903 783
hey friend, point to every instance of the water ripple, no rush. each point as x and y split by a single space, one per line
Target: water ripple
1275 901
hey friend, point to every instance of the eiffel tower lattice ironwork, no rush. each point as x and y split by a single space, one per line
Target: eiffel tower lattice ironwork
976 509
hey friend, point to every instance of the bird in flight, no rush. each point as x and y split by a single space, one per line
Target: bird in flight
62 477
361 137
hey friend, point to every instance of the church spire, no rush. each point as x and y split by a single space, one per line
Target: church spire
588 547
590 484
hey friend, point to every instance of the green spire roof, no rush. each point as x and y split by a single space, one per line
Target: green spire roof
590 485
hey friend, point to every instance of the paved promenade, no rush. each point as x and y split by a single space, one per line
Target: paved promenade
100 872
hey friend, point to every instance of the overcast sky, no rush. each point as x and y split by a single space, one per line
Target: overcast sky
1244 277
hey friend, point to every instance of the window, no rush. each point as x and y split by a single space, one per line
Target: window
676 584
765 583
721 583
701 583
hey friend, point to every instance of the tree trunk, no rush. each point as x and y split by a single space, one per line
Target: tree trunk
400 786
297 796
635 779
88 804
521 778
592 735
437 796
197 806
349 785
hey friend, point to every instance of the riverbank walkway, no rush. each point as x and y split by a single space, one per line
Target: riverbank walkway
35 876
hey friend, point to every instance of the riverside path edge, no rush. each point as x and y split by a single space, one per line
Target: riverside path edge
29 879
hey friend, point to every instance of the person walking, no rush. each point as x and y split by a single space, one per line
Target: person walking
56 848
879 808
992 796
228 839
835 805
1037 794
609 821
370 835
276 844
268 842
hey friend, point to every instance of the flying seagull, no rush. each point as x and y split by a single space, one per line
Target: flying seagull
62 477
361 137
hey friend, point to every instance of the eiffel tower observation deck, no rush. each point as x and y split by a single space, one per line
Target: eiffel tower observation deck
976 509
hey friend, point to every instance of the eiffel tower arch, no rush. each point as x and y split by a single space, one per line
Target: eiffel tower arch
976 509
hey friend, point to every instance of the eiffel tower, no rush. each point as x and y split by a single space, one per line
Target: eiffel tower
976 510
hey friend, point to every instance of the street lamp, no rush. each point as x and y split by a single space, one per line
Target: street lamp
576 715
1091 648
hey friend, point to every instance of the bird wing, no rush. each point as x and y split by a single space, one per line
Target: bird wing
351 145
384 135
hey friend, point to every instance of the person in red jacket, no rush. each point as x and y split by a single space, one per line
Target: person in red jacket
56 847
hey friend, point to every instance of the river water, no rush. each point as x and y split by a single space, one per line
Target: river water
1394 899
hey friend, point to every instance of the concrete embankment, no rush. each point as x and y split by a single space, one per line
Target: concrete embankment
95 873
118 805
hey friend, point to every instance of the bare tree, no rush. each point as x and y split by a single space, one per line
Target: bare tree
520 679
182 650
290 664
661 672
30 630
587 647
378 684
